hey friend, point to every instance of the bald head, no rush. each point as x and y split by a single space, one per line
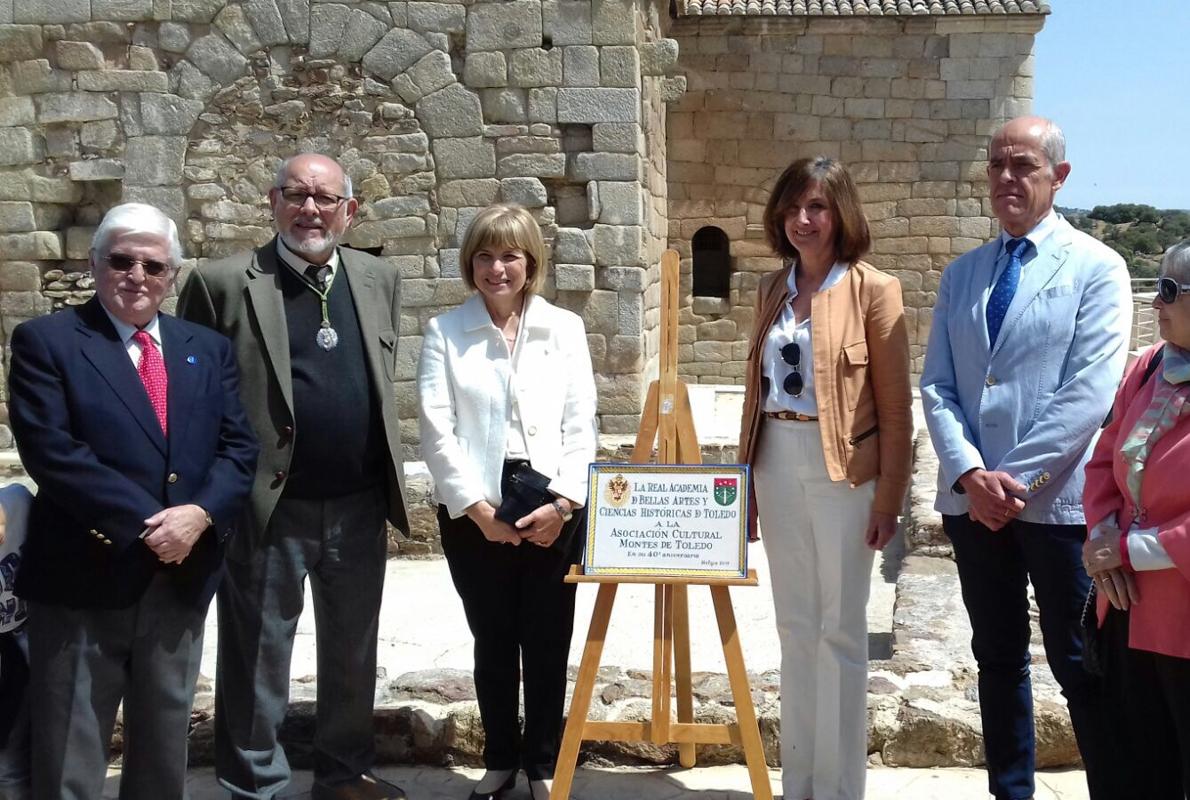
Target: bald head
312 205
1026 168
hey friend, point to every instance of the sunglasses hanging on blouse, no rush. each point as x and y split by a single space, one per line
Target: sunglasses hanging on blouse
792 355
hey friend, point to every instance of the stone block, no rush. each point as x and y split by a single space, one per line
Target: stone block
78 55
598 105
97 169
535 67
168 114
485 69
19 276
540 165
327 21
360 35
659 57
580 66
566 22
16 217
188 81
123 80
631 279
235 26
122 10
613 22
619 202
574 277
78 241
202 11
296 16
504 26
43 12
431 73
619 66
404 206
154 160
464 158
33 246
19 42
266 21
20 146
528 192
504 106
457 194
396 52
374 234
38 77
441 17
571 246
543 105
16 111
452 112
617 137
618 245
170 200
606 167
217 59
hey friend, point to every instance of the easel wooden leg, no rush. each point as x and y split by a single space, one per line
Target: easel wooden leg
580 703
681 624
741 692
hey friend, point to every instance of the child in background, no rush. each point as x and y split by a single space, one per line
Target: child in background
14 650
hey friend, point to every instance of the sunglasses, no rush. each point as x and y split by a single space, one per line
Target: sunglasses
322 201
122 263
791 354
1168 289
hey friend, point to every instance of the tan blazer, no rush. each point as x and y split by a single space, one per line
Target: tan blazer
240 296
861 377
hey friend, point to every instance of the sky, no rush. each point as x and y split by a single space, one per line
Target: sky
1115 75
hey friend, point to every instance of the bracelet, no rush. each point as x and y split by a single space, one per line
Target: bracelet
565 515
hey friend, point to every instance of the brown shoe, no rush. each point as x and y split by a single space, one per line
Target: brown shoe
365 787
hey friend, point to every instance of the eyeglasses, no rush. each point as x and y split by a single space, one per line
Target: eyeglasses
791 354
322 200
1168 289
122 263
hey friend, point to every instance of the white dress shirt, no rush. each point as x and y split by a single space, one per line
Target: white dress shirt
1041 231
786 328
299 264
126 332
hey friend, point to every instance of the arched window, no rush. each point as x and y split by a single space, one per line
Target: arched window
712 263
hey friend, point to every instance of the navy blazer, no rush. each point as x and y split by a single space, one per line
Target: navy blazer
88 436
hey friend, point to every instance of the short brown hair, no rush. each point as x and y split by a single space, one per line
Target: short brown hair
852 238
505 225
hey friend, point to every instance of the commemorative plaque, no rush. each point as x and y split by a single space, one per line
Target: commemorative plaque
669 519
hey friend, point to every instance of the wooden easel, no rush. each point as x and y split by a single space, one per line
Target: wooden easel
668 419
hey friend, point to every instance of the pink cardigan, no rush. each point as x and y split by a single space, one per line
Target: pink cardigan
1160 621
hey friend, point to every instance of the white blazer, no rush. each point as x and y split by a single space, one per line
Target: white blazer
463 413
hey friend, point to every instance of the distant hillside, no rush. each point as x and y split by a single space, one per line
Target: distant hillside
1137 232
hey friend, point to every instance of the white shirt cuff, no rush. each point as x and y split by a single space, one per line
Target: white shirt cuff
1146 552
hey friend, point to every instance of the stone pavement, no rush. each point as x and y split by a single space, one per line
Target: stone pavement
706 783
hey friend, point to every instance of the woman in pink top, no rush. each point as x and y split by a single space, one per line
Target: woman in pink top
1137 504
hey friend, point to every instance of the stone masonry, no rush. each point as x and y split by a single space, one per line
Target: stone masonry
577 109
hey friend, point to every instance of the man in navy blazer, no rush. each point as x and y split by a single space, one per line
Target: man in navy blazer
1029 339
130 422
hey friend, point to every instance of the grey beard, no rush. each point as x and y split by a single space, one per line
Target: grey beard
309 246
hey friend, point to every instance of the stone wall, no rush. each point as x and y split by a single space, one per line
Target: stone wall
435 108
907 103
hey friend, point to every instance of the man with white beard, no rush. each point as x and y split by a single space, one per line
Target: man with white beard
314 327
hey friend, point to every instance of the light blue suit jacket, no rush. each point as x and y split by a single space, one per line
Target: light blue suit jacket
1032 404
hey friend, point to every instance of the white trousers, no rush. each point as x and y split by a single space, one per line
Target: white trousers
812 529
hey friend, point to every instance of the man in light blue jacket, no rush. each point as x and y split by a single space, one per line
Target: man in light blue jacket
1029 339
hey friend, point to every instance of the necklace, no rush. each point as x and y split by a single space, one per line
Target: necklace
327 337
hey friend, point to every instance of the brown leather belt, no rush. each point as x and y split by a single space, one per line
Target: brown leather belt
790 415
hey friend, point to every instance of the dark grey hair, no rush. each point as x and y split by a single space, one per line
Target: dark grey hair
1176 262
279 181
136 218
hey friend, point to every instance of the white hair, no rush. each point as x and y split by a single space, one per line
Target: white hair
1176 262
137 218
283 170
1053 142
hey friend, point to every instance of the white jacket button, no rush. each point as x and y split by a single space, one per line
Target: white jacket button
532 431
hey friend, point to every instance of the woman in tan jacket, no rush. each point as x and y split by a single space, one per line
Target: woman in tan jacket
827 431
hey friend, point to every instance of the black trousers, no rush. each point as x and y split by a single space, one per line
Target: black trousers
1149 710
521 615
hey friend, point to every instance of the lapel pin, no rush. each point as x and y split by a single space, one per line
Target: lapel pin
191 359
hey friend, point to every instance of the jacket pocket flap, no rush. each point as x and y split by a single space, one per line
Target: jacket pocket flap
856 354
389 339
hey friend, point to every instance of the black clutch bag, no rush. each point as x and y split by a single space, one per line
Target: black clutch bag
524 490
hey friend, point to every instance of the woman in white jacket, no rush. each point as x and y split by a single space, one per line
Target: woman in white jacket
506 382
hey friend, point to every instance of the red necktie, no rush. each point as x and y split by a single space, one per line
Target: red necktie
151 369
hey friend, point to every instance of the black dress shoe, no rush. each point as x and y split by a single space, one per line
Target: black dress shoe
498 794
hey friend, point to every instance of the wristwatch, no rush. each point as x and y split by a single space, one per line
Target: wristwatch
565 515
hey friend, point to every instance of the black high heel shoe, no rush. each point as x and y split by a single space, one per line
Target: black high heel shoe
498 794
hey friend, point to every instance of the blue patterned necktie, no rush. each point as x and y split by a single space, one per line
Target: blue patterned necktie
1005 288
